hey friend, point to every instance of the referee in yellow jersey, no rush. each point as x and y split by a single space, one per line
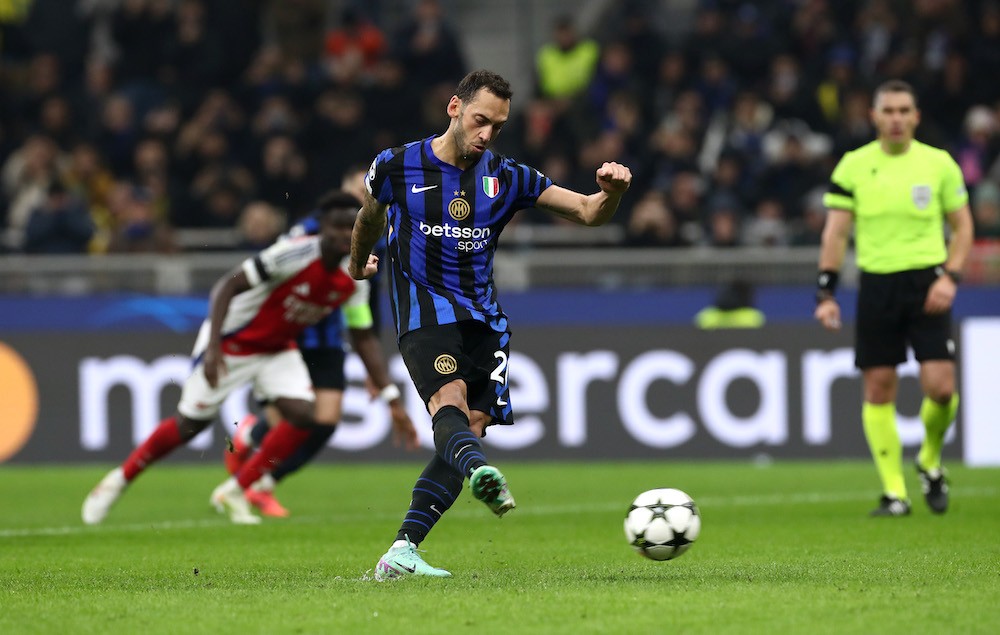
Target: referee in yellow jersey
896 193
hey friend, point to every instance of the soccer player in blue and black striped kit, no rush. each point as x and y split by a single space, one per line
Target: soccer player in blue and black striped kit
447 198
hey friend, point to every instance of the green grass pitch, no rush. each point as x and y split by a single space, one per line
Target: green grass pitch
785 548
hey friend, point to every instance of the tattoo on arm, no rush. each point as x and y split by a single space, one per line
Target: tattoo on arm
368 229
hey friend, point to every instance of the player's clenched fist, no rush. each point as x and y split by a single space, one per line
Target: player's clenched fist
614 177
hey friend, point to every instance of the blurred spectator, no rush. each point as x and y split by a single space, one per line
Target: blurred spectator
984 53
787 92
645 43
684 198
137 228
839 80
792 169
353 48
26 176
715 84
724 223
854 129
59 225
206 105
390 102
733 308
281 181
55 121
652 224
136 25
979 145
566 64
808 230
740 131
194 58
297 27
336 136
767 227
429 48
90 181
986 211
260 225
671 79
118 133
948 98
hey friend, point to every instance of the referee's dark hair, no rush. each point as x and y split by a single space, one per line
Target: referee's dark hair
338 199
896 86
489 80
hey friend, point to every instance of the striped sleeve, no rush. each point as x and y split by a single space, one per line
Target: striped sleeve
281 260
840 194
530 184
377 181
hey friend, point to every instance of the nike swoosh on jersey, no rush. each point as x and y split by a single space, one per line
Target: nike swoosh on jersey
418 190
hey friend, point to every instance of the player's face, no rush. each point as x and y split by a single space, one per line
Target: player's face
479 121
335 231
895 116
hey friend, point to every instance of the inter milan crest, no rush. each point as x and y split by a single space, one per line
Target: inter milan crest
491 186
921 196
459 208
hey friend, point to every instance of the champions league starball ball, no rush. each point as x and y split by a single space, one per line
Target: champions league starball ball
662 524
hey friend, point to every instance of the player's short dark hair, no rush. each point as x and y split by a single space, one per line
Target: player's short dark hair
338 199
896 86
471 83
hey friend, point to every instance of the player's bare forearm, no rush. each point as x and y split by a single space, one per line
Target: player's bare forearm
223 291
960 243
836 233
369 349
596 209
368 228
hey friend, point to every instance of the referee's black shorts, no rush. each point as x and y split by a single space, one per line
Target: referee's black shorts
891 316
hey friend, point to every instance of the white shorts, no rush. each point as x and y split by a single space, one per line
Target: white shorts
273 375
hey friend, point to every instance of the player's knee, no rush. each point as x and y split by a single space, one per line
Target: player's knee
941 394
478 422
297 412
189 428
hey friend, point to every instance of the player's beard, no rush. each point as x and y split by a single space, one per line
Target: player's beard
465 149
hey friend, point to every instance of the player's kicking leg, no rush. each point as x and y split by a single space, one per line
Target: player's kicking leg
172 433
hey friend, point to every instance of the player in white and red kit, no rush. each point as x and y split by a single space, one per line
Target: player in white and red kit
256 312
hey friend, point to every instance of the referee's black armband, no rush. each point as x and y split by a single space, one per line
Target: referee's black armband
826 284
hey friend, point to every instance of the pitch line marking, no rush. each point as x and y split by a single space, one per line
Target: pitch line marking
706 502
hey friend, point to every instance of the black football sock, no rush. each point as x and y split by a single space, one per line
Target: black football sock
316 441
259 431
455 442
434 492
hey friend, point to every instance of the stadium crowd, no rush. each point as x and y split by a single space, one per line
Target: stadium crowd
139 117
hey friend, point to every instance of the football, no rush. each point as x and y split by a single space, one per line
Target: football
662 524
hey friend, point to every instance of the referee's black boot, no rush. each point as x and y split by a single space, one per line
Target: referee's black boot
935 487
891 506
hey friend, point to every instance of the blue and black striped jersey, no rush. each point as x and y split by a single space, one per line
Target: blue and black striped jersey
444 223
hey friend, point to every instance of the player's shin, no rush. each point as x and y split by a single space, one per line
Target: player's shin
455 442
280 444
883 440
937 418
164 440
433 493
319 436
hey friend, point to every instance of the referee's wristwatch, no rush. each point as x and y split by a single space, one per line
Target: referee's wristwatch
955 276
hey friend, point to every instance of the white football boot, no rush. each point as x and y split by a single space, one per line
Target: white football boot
100 499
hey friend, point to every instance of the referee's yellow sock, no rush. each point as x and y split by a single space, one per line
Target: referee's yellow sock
937 419
883 440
